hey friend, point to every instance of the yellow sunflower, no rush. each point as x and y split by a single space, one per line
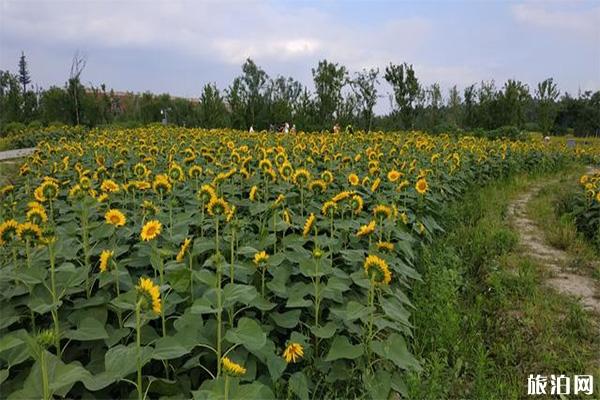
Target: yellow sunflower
261 258
184 248
105 257
8 230
353 179
381 270
421 186
109 186
232 368
366 230
308 225
115 217
151 230
29 230
329 208
293 352
147 288
217 206
394 175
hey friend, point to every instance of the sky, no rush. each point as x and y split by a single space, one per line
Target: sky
177 46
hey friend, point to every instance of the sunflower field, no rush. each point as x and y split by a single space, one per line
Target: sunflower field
180 263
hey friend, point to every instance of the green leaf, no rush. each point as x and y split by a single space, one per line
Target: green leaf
248 333
88 329
378 384
299 385
341 348
287 319
324 332
234 293
167 348
3 375
394 349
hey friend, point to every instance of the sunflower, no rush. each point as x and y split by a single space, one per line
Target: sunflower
404 218
151 230
253 191
75 192
49 189
317 185
109 186
184 248
285 215
85 182
6 190
357 204
217 206
286 170
8 229
293 352
230 214
353 179
405 183
382 211
102 198
37 215
148 289
115 217
385 246
341 196
232 368
329 208
279 200
381 272
176 172
375 184
366 230
29 230
301 177
327 177
105 257
161 184
206 193
195 171
308 225
421 228
598 197
421 186
261 258
394 175
265 164
149 208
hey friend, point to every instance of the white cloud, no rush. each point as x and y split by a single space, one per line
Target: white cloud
583 22
227 31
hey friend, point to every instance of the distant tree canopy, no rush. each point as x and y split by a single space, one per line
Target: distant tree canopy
254 99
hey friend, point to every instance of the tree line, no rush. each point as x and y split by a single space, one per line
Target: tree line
255 99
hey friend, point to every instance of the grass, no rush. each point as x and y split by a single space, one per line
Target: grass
550 210
8 170
486 321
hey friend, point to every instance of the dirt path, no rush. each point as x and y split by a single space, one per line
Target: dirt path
531 238
18 153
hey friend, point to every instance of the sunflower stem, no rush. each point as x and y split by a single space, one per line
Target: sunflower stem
138 341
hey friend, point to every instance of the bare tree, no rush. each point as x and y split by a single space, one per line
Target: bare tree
77 67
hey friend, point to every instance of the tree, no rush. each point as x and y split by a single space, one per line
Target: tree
255 83
284 95
24 77
75 88
329 79
545 96
10 98
213 112
512 101
235 96
365 88
406 89
453 107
